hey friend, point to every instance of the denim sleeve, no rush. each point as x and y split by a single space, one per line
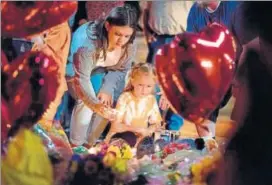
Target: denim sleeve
191 27
79 39
113 79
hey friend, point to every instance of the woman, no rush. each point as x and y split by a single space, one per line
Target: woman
103 44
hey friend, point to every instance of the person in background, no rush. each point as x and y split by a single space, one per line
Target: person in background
79 17
226 13
100 9
14 47
55 42
108 45
162 20
247 159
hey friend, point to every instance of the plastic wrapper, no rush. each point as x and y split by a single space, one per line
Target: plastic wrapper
54 143
80 150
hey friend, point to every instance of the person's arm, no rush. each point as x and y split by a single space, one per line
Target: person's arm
191 19
113 78
148 35
155 118
79 39
83 66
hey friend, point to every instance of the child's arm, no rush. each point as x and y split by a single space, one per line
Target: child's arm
155 118
118 124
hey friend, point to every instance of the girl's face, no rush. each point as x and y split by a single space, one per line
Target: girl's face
143 85
118 36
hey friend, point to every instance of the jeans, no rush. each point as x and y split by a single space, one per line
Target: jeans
173 121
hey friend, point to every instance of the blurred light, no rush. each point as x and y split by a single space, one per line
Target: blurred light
92 150
21 66
212 44
37 59
31 14
172 45
46 63
176 80
159 52
206 64
15 73
227 57
41 81
17 99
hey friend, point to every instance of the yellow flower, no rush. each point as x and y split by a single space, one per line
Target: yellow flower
174 177
127 152
120 166
196 169
109 159
201 170
115 150
74 167
207 162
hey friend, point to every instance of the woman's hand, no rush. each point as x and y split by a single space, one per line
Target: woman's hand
109 113
105 98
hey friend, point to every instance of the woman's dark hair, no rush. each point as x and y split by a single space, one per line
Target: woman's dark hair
119 16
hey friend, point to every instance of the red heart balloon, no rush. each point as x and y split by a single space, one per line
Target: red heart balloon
26 18
195 71
29 84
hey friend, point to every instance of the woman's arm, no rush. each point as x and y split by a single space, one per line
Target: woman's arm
83 66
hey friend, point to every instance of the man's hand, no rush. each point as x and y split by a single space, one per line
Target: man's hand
105 98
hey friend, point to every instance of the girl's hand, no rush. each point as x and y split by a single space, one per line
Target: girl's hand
164 103
105 98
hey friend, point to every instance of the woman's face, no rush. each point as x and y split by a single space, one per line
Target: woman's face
143 85
118 35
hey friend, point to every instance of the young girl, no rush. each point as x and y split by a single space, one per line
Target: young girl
137 108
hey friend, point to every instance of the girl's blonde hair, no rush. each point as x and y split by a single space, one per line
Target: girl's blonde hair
138 69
